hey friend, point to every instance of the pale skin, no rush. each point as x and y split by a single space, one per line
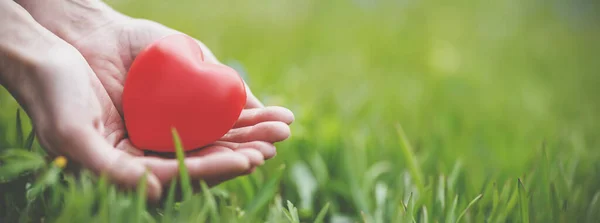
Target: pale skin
65 62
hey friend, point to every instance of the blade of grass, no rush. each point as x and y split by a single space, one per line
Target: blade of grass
186 185
276 213
203 215
211 202
265 194
511 202
544 189
523 202
441 192
55 197
147 217
468 206
410 197
453 177
16 162
381 195
409 157
113 199
555 203
593 207
293 212
404 207
408 216
169 207
424 215
103 202
365 218
19 129
452 211
411 208
288 215
306 185
495 201
140 198
507 197
319 168
48 178
246 187
321 216
29 141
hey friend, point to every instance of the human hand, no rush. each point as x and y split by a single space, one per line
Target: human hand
109 49
65 100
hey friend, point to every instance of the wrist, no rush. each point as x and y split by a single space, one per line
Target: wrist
71 20
25 47
23 42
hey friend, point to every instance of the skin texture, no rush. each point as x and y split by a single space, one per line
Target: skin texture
65 61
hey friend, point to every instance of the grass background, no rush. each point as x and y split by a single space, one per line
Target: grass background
407 111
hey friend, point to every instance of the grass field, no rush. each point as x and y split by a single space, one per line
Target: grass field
406 111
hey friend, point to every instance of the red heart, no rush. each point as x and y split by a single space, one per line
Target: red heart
170 85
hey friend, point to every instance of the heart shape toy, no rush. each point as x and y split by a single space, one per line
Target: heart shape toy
169 85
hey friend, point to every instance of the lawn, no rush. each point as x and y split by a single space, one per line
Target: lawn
406 111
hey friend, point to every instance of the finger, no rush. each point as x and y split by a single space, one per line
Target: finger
126 146
91 150
264 131
209 56
212 149
196 152
250 171
211 182
219 165
268 150
253 116
256 157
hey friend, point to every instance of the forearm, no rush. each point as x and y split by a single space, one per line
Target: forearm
28 52
70 20
21 43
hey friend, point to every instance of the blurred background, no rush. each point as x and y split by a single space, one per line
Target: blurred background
482 89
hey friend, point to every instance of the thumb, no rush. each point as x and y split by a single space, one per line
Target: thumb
88 148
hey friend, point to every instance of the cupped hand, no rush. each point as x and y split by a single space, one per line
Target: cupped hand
109 42
111 49
74 116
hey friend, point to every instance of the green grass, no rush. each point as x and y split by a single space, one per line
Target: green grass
497 102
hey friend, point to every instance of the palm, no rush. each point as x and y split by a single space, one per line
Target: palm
252 136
